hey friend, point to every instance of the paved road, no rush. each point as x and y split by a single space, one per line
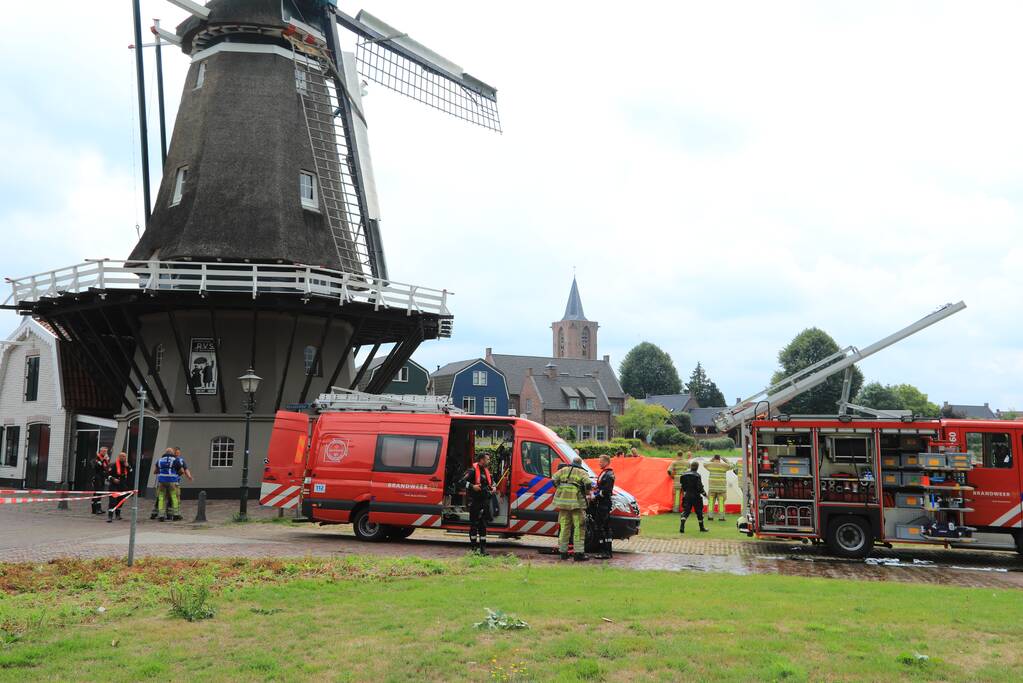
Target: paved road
39 533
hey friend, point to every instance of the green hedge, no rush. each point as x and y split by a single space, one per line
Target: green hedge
721 443
671 436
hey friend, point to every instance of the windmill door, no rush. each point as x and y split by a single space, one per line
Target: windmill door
37 455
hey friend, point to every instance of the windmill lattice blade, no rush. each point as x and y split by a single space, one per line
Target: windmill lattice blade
388 68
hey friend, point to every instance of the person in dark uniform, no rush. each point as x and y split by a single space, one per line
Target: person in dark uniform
693 494
602 507
99 478
119 478
479 486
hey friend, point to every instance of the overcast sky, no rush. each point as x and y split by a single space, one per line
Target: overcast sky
720 175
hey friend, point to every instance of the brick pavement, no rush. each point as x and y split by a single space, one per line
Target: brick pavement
40 532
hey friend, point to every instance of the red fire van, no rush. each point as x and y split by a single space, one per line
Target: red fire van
389 472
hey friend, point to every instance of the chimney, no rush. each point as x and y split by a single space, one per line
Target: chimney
529 372
986 405
552 370
738 401
490 355
607 359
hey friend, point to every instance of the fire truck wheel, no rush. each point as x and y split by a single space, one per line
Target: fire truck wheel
366 530
850 537
399 532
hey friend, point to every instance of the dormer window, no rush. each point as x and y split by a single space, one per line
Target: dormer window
179 185
200 75
308 191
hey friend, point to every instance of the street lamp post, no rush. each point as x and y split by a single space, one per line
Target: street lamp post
250 383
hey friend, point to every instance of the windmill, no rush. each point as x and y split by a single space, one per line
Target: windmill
263 249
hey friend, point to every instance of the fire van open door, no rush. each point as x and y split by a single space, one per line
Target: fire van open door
284 464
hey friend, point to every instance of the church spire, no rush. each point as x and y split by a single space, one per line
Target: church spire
574 308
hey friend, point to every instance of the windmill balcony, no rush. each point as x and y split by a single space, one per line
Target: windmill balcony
305 282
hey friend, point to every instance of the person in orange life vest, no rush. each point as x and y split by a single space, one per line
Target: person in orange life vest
479 486
119 479
99 478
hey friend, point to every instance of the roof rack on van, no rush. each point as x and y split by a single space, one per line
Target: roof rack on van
340 400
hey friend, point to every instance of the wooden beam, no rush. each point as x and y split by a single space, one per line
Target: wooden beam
287 362
130 359
221 391
136 332
365 366
344 355
96 365
184 360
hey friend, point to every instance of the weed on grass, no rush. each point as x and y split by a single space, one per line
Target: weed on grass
191 602
499 621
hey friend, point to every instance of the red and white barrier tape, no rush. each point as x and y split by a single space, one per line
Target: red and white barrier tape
33 492
112 494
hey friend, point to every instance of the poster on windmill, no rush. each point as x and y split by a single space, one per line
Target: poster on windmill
202 366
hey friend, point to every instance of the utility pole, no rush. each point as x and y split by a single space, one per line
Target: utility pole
138 469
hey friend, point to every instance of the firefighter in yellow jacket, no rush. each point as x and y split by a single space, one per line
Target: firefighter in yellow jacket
717 468
678 467
572 485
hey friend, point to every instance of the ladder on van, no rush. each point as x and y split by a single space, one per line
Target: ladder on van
348 400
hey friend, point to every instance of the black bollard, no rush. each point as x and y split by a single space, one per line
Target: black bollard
62 504
200 510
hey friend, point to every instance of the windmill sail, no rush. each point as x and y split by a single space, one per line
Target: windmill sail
392 59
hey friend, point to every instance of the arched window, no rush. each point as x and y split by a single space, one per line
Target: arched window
312 362
221 451
586 342
157 357
561 343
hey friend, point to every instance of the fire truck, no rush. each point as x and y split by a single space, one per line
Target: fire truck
867 477
389 464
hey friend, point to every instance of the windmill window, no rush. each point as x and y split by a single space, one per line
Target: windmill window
469 404
179 185
200 75
479 378
308 191
312 362
222 452
490 405
32 378
402 374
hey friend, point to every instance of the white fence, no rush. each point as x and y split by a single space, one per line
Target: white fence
249 278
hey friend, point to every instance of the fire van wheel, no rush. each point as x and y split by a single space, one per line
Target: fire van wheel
849 537
366 530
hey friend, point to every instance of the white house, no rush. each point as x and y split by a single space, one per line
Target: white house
42 443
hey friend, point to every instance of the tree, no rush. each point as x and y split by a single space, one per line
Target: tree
703 389
911 398
641 417
682 420
810 346
896 397
646 370
876 395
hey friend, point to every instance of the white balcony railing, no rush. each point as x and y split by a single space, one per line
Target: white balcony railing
203 278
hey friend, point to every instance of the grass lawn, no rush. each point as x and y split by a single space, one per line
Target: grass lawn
666 526
362 619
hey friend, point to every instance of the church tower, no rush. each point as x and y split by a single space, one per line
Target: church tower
574 335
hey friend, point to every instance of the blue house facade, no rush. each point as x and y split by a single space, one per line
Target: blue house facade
475 386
